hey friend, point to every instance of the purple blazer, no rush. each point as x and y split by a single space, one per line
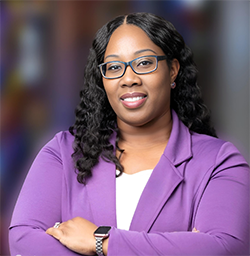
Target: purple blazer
200 182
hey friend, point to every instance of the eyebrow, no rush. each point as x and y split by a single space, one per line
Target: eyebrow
144 50
137 52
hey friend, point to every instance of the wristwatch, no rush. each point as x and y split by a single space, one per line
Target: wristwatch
100 234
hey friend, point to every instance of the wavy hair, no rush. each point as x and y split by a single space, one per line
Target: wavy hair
95 119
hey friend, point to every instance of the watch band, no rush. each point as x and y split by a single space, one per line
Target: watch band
99 250
100 234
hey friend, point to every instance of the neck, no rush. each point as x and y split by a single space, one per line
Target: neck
149 135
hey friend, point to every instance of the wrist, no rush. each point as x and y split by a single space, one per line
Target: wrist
105 246
93 249
101 235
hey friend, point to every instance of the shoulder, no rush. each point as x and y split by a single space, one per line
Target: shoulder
59 148
62 140
214 150
64 137
205 143
202 150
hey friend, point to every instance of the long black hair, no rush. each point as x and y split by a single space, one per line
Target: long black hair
95 119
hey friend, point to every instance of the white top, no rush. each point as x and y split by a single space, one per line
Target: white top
129 188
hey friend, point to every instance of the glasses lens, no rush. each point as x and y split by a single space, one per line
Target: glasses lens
144 64
112 69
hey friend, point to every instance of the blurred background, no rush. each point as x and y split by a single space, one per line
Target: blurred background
44 47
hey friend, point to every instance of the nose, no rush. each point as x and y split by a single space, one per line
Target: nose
130 78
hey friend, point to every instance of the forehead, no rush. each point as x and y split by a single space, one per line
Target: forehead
128 39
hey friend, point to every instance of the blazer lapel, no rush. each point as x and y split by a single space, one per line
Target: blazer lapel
159 188
165 177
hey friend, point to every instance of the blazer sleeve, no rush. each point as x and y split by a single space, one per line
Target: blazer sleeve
39 206
221 216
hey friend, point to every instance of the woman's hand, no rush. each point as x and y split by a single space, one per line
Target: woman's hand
76 234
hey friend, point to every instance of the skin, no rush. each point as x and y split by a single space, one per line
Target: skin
144 131
76 234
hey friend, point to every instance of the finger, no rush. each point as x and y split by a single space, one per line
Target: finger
55 232
49 231
195 230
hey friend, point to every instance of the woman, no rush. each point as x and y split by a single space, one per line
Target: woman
149 165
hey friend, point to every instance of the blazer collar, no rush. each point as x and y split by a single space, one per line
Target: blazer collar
165 178
179 145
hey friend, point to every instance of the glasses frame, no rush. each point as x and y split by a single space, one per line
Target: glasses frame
129 63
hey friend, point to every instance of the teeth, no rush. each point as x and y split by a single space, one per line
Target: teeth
133 99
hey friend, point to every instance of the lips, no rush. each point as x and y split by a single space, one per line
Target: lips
133 100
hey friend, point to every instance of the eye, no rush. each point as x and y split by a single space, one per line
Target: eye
145 63
113 67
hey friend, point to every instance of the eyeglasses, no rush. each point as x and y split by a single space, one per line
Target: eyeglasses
141 65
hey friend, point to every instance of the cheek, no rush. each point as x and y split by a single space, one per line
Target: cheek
160 94
160 86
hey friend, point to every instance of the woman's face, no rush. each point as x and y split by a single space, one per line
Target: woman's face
138 99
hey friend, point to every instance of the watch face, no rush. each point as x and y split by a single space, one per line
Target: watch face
102 231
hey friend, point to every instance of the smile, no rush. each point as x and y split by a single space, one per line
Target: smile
133 100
